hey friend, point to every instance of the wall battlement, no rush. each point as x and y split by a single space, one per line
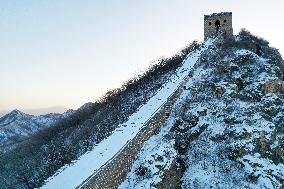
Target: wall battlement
218 23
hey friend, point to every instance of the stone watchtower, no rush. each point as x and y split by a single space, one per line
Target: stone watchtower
218 23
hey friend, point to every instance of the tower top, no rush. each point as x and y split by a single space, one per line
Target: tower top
218 23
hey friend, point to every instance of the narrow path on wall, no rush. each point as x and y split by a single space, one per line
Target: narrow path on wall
73 175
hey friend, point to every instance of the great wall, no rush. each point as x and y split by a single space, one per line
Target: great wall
115 170
108 164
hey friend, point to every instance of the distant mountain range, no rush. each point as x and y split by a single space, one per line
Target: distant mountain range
39 111
16 126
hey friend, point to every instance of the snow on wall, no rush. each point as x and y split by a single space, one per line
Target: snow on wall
114 172
157 154
73 175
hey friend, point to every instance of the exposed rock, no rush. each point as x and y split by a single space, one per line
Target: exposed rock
141 171
274 86
171 178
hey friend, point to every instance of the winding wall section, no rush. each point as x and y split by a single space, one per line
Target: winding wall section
114 171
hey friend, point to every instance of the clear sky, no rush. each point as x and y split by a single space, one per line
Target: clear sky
67 53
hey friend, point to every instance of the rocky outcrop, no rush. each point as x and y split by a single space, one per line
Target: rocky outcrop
274 86
115 171
171 178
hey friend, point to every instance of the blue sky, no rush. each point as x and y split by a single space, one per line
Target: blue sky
67 53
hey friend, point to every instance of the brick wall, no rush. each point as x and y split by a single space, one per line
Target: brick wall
112 174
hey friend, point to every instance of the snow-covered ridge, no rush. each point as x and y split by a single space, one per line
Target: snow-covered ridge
19 125
73 175
228 133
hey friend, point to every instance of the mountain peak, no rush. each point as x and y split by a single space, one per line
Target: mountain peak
12 116
16 114
17 124
16 111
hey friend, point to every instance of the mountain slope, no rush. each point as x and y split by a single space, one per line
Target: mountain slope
226 130
73 175
39 157
16 126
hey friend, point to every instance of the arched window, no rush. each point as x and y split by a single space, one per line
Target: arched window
217 25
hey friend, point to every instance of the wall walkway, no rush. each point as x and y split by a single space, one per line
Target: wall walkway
111 175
